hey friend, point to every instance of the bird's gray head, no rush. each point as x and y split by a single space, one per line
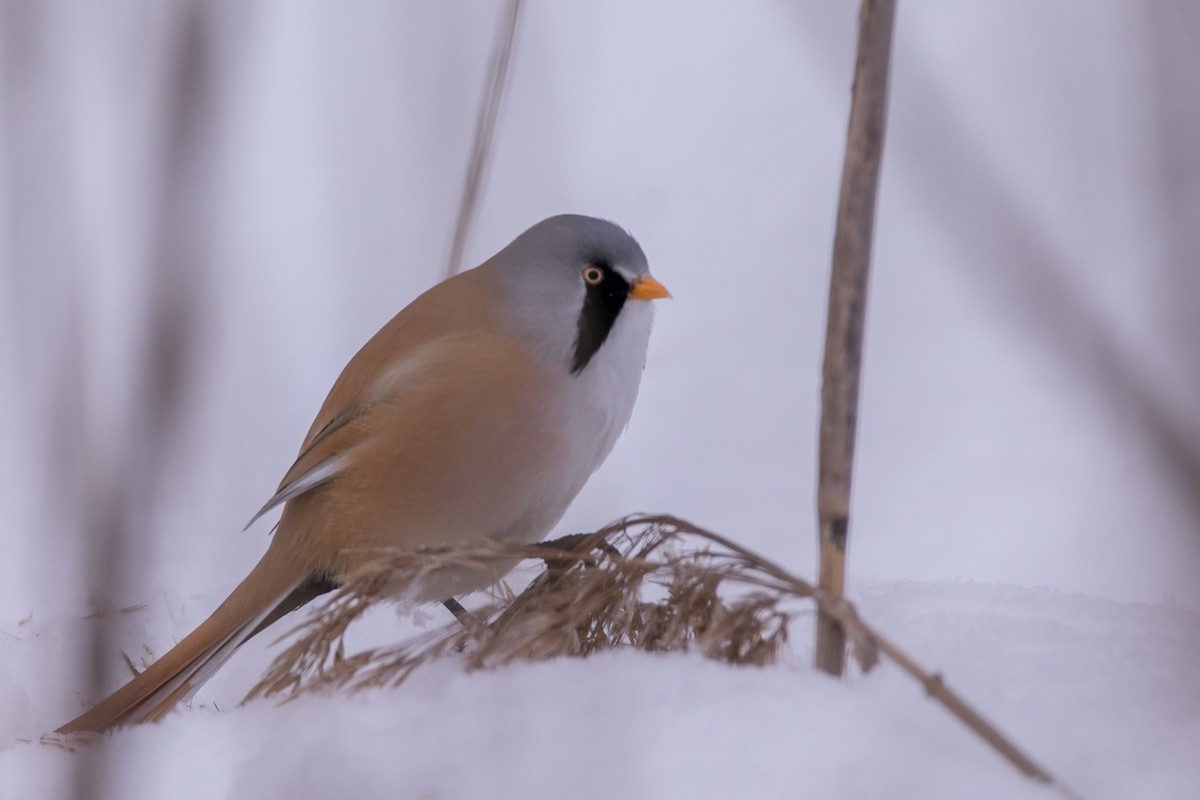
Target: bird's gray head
571 281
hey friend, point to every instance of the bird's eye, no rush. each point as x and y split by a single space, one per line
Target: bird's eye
592 275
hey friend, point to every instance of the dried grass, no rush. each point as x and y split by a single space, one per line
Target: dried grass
654 583
649 583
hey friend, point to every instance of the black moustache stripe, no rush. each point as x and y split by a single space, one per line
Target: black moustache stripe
601 305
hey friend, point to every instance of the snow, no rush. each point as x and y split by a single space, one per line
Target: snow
1031 146
1066 676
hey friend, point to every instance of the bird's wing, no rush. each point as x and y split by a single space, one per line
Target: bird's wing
393 357
323 455
319 474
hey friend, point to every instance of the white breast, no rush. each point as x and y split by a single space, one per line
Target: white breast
600 397
584 413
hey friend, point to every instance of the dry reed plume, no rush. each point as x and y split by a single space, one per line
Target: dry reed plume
633 584
655 583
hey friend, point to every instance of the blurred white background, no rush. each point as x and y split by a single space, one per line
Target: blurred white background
206 208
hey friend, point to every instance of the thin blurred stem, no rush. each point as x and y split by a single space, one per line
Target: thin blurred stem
1038 285
485 131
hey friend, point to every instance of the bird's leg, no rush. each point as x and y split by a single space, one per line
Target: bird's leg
572 543
461 614
554 568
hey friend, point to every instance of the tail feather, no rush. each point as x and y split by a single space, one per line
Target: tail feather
185 667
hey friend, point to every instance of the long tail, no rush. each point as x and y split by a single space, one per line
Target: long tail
269 590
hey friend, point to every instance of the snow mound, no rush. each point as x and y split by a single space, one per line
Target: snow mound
1104 694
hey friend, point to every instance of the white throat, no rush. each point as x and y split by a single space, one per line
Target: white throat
604 391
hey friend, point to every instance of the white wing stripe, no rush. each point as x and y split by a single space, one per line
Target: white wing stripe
316 476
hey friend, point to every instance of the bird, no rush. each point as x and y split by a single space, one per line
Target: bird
477 412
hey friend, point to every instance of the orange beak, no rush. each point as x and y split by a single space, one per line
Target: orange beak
648 289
